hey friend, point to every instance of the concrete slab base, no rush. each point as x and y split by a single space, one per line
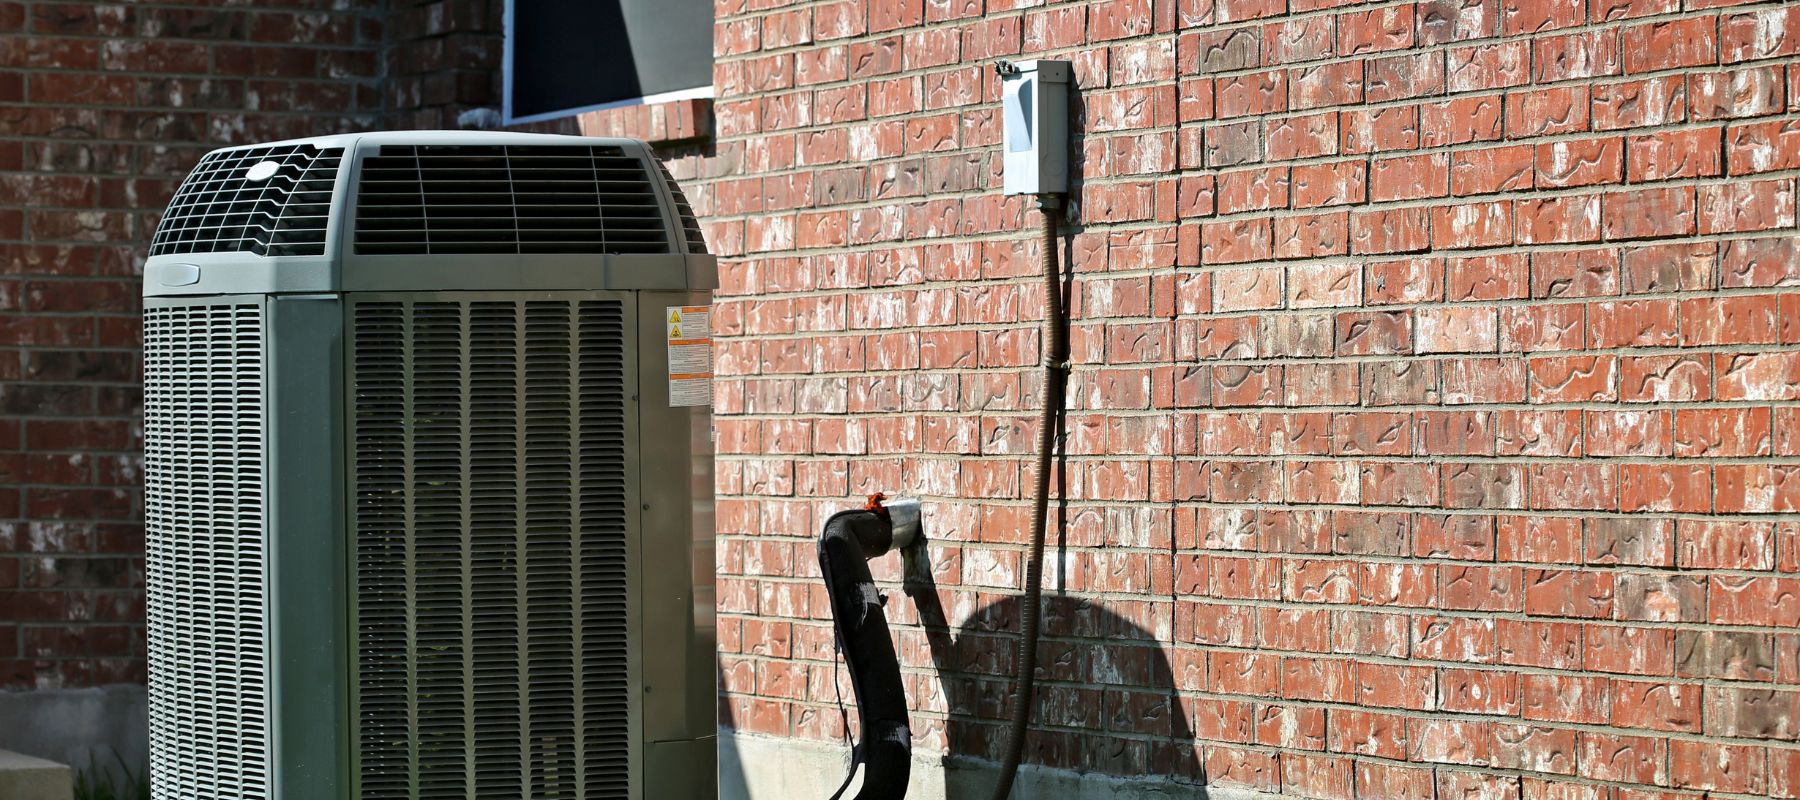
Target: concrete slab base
755 767
25 778
79 727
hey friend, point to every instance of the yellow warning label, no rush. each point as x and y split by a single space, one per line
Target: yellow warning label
690 356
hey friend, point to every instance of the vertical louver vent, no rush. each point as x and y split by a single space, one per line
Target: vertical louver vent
490 550
203 520
690 224
510 199
271 201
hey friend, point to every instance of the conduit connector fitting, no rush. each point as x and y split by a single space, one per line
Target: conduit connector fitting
909 539
904 513
903 530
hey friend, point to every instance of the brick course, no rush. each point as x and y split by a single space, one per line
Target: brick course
1434 366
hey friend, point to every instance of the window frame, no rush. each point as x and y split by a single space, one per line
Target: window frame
507 117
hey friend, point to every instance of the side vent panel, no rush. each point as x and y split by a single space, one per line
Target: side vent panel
490 550
205 550
694 238
232 203
508 199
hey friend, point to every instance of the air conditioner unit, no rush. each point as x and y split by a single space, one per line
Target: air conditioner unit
428 479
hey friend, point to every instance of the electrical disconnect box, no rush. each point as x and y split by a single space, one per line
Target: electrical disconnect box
1036 99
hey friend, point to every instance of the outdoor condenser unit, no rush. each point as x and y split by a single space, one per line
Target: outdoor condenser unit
428 476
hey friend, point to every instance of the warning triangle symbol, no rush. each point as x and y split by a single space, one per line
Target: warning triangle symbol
674 316
674 331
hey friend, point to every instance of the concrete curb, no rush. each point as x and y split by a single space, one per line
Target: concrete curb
79 727
23 777
755 767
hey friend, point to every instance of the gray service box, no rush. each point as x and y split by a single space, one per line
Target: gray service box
1036 100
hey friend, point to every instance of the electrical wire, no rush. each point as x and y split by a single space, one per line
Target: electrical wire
844 713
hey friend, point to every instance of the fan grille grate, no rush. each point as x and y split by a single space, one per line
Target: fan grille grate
690 224
219 209
508 199
490 550
203 519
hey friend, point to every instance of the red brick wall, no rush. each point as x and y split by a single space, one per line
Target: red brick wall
103 108
443 58
1433 418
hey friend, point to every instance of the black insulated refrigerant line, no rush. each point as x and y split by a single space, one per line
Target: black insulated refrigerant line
849 540
1055 339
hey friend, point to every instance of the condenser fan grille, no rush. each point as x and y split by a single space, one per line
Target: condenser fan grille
490 546
271 201
507 199
203 521
690 224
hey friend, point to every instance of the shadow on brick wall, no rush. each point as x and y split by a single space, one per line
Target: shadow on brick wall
732 783
1105 695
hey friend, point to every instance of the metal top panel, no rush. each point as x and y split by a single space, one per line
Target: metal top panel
342 268
377 139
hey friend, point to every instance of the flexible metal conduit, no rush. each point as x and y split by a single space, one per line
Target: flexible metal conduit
1056 372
